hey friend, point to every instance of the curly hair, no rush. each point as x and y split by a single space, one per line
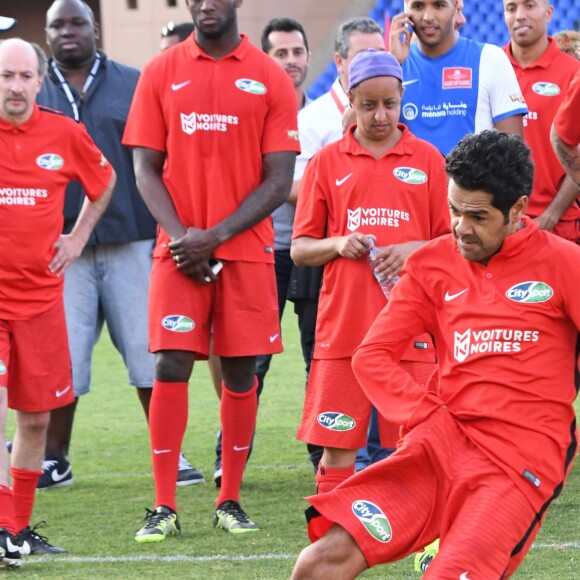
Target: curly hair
494 162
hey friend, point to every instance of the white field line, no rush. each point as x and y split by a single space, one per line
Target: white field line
153 558
215 558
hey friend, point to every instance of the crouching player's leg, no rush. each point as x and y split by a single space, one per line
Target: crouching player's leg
378 515
335 555
437 484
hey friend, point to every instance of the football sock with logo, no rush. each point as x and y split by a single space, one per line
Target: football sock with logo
167 424
7 518
328 478
238 416
24 484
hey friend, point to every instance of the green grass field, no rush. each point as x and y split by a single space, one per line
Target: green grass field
96 518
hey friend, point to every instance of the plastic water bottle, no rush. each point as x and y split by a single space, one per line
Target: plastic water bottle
386 284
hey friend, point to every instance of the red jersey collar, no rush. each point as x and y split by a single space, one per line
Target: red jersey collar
238 53
405 146
545 59
516 241
6 126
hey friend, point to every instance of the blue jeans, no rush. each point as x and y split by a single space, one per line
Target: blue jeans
110 283
373 452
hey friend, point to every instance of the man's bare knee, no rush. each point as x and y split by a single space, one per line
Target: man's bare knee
335 555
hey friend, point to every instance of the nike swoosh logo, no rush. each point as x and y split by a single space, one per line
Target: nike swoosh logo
56 476
464 576
175 87
159 451
405 83
25 548
59 394
11 547
339 182
274 337
236 448
449 297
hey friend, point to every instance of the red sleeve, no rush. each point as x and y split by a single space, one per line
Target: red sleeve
566 120
281 125
90 166
392 390
312 207
146 123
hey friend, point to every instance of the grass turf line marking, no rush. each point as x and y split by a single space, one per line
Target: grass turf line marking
216 558
153 558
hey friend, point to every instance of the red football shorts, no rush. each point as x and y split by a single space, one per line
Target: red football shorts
438 484
240 308
35 361
336 411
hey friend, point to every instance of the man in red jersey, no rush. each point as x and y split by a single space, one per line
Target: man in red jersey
566 131
499 297
213 159
42 152
378 181
544 73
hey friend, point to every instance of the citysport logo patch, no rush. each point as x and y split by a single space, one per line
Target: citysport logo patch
410 175
546 89
178 323
50 161
373 519
530 292
2 368
250 86
336 421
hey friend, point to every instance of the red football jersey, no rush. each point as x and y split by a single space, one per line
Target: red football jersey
38 160
544 84
567 123
215 120
505 336
399 198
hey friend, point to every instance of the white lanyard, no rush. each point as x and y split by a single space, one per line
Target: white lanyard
66 88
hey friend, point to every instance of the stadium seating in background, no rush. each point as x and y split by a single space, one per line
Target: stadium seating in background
484 23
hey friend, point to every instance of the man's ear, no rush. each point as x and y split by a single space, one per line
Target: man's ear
518 209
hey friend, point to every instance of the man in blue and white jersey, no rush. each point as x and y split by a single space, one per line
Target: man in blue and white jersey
453 85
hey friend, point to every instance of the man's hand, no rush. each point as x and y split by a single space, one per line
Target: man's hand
194 247
68 249
400 37
391 259
389 262
352 246
201 272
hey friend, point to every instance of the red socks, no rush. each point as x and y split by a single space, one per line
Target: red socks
238 418
328 478
7 518
24 484
167 424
